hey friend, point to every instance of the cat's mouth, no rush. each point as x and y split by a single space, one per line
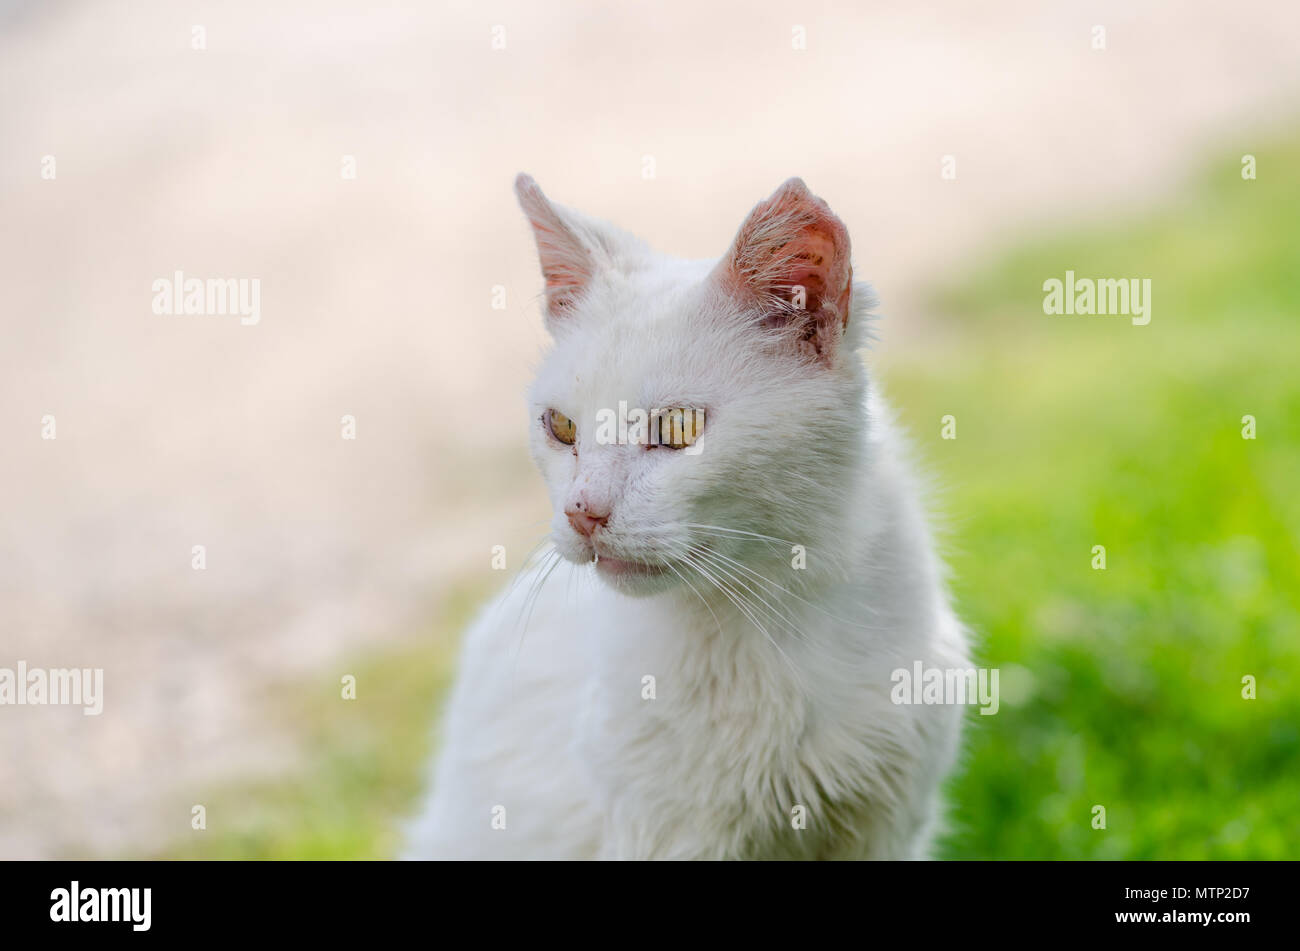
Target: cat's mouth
621 568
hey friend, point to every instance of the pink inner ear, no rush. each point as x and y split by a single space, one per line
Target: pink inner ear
811 267
564 266
794 239
565 262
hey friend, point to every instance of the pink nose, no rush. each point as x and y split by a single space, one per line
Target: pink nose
584 520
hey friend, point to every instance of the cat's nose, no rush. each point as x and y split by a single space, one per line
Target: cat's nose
585 518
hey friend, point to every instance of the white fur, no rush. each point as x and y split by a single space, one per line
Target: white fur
759 708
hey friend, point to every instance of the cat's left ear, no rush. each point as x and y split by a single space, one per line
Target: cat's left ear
790 263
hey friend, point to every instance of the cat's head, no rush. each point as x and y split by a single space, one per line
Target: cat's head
749 360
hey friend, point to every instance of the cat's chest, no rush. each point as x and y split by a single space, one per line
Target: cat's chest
717 739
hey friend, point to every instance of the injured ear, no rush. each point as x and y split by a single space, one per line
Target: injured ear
791 262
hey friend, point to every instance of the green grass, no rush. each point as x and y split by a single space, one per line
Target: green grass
1082 431
1121 688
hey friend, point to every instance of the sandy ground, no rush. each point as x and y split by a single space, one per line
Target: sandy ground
177 431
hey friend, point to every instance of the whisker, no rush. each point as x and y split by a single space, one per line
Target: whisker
796 595
740 531
758 599
703 601
528 559
740 605
548 564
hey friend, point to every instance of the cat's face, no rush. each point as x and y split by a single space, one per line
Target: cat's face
688 408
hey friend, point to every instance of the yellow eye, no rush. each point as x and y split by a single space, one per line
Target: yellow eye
561 427
678 428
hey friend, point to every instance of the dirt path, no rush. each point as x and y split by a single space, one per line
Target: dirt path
376 294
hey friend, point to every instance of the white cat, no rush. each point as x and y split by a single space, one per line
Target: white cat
702 667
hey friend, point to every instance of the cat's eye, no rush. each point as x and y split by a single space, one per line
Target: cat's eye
561 427
677 428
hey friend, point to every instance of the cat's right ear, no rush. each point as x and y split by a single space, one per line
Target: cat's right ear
567 263
790 262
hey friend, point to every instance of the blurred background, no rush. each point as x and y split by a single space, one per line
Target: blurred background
216 139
